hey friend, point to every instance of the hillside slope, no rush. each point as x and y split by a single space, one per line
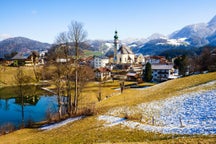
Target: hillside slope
21 44
92 130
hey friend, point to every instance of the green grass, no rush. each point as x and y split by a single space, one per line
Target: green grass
91 53
90 130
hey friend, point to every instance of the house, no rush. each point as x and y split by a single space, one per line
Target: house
156 59
135 73
125 55
139 58
100 61
134 76
25 59
163 72
102 74
42 56
90 61
62 60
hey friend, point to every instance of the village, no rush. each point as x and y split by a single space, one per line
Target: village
122 64
118 71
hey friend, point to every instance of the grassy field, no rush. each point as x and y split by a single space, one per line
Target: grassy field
7 75
91 53
90 130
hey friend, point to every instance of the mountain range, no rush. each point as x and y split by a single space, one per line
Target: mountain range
21 44
187 38
190 36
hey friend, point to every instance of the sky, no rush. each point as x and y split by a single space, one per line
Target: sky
43 20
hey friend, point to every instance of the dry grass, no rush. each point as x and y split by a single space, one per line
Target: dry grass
7 75
161 91
90 130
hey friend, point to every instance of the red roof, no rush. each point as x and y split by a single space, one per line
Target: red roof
102 69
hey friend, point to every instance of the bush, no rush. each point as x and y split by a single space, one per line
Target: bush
7 128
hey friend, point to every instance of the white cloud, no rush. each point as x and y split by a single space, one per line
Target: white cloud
4 36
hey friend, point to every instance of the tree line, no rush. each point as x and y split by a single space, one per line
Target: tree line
190 64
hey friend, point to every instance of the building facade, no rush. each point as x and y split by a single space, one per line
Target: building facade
161 72
102 74
100 61
139 58
125 55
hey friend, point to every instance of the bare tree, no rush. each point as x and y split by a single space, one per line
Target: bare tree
62 70
58 81
85 75
21 80
67 42
76 35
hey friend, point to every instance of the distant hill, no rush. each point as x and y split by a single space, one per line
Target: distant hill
21 44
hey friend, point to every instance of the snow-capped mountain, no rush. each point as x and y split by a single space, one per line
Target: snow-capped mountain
200 30
212 22
190 36
100 45
156 36
197 34
157 46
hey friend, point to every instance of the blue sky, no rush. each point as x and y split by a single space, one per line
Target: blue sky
43 20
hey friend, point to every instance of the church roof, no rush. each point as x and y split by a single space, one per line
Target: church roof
124 50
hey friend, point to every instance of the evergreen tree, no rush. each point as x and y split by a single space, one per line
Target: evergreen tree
181 64
147 73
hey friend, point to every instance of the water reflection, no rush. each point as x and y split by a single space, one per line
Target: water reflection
27 100
33 106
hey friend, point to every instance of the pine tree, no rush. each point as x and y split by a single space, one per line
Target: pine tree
147 73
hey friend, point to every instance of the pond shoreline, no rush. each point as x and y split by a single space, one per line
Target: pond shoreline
44 82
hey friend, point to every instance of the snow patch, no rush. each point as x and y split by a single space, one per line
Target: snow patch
193 113
175 42
56 125
112 120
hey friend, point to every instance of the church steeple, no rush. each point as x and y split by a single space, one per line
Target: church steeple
116 35
116 46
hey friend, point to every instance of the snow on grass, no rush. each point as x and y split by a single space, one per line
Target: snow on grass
112 120
193 113
56 125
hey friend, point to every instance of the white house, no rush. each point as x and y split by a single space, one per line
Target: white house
102 74
42 55
62 60
139 58
163 72
125 55
100 61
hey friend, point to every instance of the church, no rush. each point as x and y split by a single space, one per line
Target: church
122 54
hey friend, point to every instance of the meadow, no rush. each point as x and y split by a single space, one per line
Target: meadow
92 130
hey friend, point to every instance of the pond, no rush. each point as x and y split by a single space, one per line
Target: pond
36 105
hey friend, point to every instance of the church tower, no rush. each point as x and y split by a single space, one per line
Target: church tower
116 46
